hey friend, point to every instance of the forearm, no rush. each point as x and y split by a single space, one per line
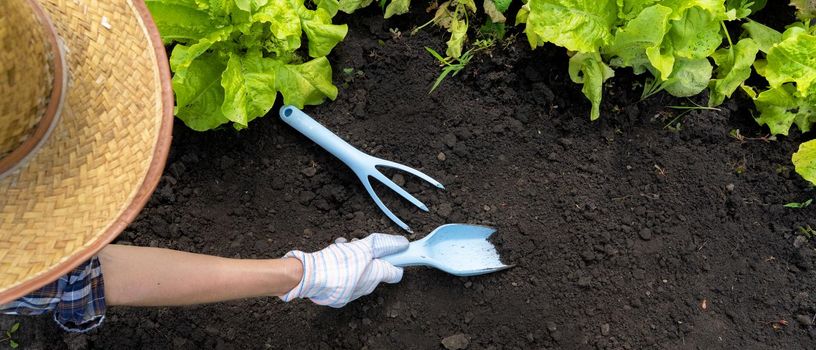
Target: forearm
141 276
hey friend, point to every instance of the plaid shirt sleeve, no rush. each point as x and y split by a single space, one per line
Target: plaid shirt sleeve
77 299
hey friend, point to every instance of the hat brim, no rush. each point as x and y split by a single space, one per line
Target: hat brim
106 153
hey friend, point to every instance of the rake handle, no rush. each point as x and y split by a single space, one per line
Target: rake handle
322 136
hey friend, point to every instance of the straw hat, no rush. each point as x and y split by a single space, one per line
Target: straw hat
86 114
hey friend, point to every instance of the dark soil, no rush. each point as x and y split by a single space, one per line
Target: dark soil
630 232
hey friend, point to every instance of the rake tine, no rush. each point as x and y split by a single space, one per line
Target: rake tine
378 201
402 192
417 173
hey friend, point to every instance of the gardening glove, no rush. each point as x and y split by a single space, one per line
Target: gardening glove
343 272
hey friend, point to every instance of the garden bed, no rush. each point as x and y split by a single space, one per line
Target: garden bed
640 229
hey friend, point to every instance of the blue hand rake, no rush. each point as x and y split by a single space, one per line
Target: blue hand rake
363 165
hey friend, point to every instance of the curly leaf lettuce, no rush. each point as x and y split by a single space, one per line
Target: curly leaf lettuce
733 68
671 39
643 34
230 67
590 70
180 21
790 68
397 7
805 161
578 25
792 60
199 95
689 77
779 108
805 9
764 36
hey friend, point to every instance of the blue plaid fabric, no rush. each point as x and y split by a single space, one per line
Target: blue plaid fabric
76 299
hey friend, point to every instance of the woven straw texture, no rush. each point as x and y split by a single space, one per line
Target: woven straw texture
26 73
70 198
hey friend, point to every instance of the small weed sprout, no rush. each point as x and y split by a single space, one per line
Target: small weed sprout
452 66
9 336
799 205
807 231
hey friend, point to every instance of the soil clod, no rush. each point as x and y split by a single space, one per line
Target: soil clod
456 342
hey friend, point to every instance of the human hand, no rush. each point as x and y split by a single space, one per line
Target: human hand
343 272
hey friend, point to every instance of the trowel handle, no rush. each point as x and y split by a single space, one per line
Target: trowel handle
415 255
320 135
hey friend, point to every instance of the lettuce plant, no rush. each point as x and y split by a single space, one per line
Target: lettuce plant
670 39
789 66
451 15
232 57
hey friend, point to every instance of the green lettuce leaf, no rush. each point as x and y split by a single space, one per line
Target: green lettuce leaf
805 161
232 57
502 5
284 26
743 8
643 33
397 7
689 77
183 56
763 35
792 60
696 34
322 34
493 12
521 17
805 9
733 68
199 94
182 20
590 70
331 6
349 6
578 25
251 84
458 29
779 108
306 83
250 87
629 9
714 7
662 60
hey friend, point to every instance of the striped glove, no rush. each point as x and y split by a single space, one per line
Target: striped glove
343 272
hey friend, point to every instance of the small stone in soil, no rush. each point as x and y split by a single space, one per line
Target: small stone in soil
588 256
645 234
306 197
729 187
309 172
445 210
441 156
805 320
450 140
456 342
584 281
398 179
605 329
799 241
